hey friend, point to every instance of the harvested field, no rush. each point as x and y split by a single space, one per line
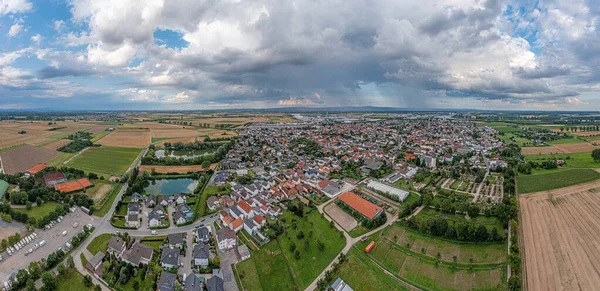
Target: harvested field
583 147
341 217
173 133
24 157
175 169
540 150
57 144
585 133
98 128
222 134
561 232
127 139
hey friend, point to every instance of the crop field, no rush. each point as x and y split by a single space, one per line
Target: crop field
554 179
21 158
105 160
561 233
430 263
176 169
162 141
540 150
175 133
579 147
55 144
127 139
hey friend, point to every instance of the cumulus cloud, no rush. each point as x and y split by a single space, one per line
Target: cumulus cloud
389 52
37 39
15 29
14 6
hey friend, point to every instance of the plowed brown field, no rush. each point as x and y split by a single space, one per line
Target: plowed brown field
127 139
561 231
540 150
570 148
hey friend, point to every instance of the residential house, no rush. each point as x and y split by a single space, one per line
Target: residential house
169 258
151 200
136 197
250 226
166 282
193 283
179 217
154 219
201 254
226 239
185 209
237 224
213 203
160 209
244 252
163 200
176 240
203 234
180 199
132 220
139 254
246 209
116 246
95 262
215 283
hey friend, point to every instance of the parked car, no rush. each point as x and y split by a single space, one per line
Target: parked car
64 233
154 232
42 243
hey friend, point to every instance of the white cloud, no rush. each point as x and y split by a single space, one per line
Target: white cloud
58 25
15 29
98 55
14 6
37 39
293 101
180 97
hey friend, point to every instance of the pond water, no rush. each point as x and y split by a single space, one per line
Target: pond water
186 155
171 187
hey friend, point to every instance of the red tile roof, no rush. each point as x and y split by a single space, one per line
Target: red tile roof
36 169
85 183
244 206
237 223
361 205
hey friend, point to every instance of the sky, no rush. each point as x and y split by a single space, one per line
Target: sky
214 54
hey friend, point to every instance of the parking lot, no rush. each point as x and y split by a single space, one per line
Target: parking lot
54 238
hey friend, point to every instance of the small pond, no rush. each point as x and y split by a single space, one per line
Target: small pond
171 187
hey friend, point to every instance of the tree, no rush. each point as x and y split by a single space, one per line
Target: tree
321 245
61 269
87 281
28 205
297 254
97 288
596 155
514 283
49 282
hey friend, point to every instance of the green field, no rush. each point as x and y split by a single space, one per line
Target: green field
565 141
272 268
276 265
59 160
39 211
438 264
510 137
99 243
105 160
247 274
362 274
100 135
71 280
576 160
554 179
313 261
489 222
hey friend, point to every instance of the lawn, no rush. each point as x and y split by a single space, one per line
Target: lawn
71 280
212 190
39 211
99 243
105 160
248 275
313 260
59 161
272 268
489 222
552 179
362 274
576 160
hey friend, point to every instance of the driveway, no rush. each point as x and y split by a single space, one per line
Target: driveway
187 260
228 258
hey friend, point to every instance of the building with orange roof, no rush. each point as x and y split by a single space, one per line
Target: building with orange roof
361 205
73 186
36 169
237 224
245 208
